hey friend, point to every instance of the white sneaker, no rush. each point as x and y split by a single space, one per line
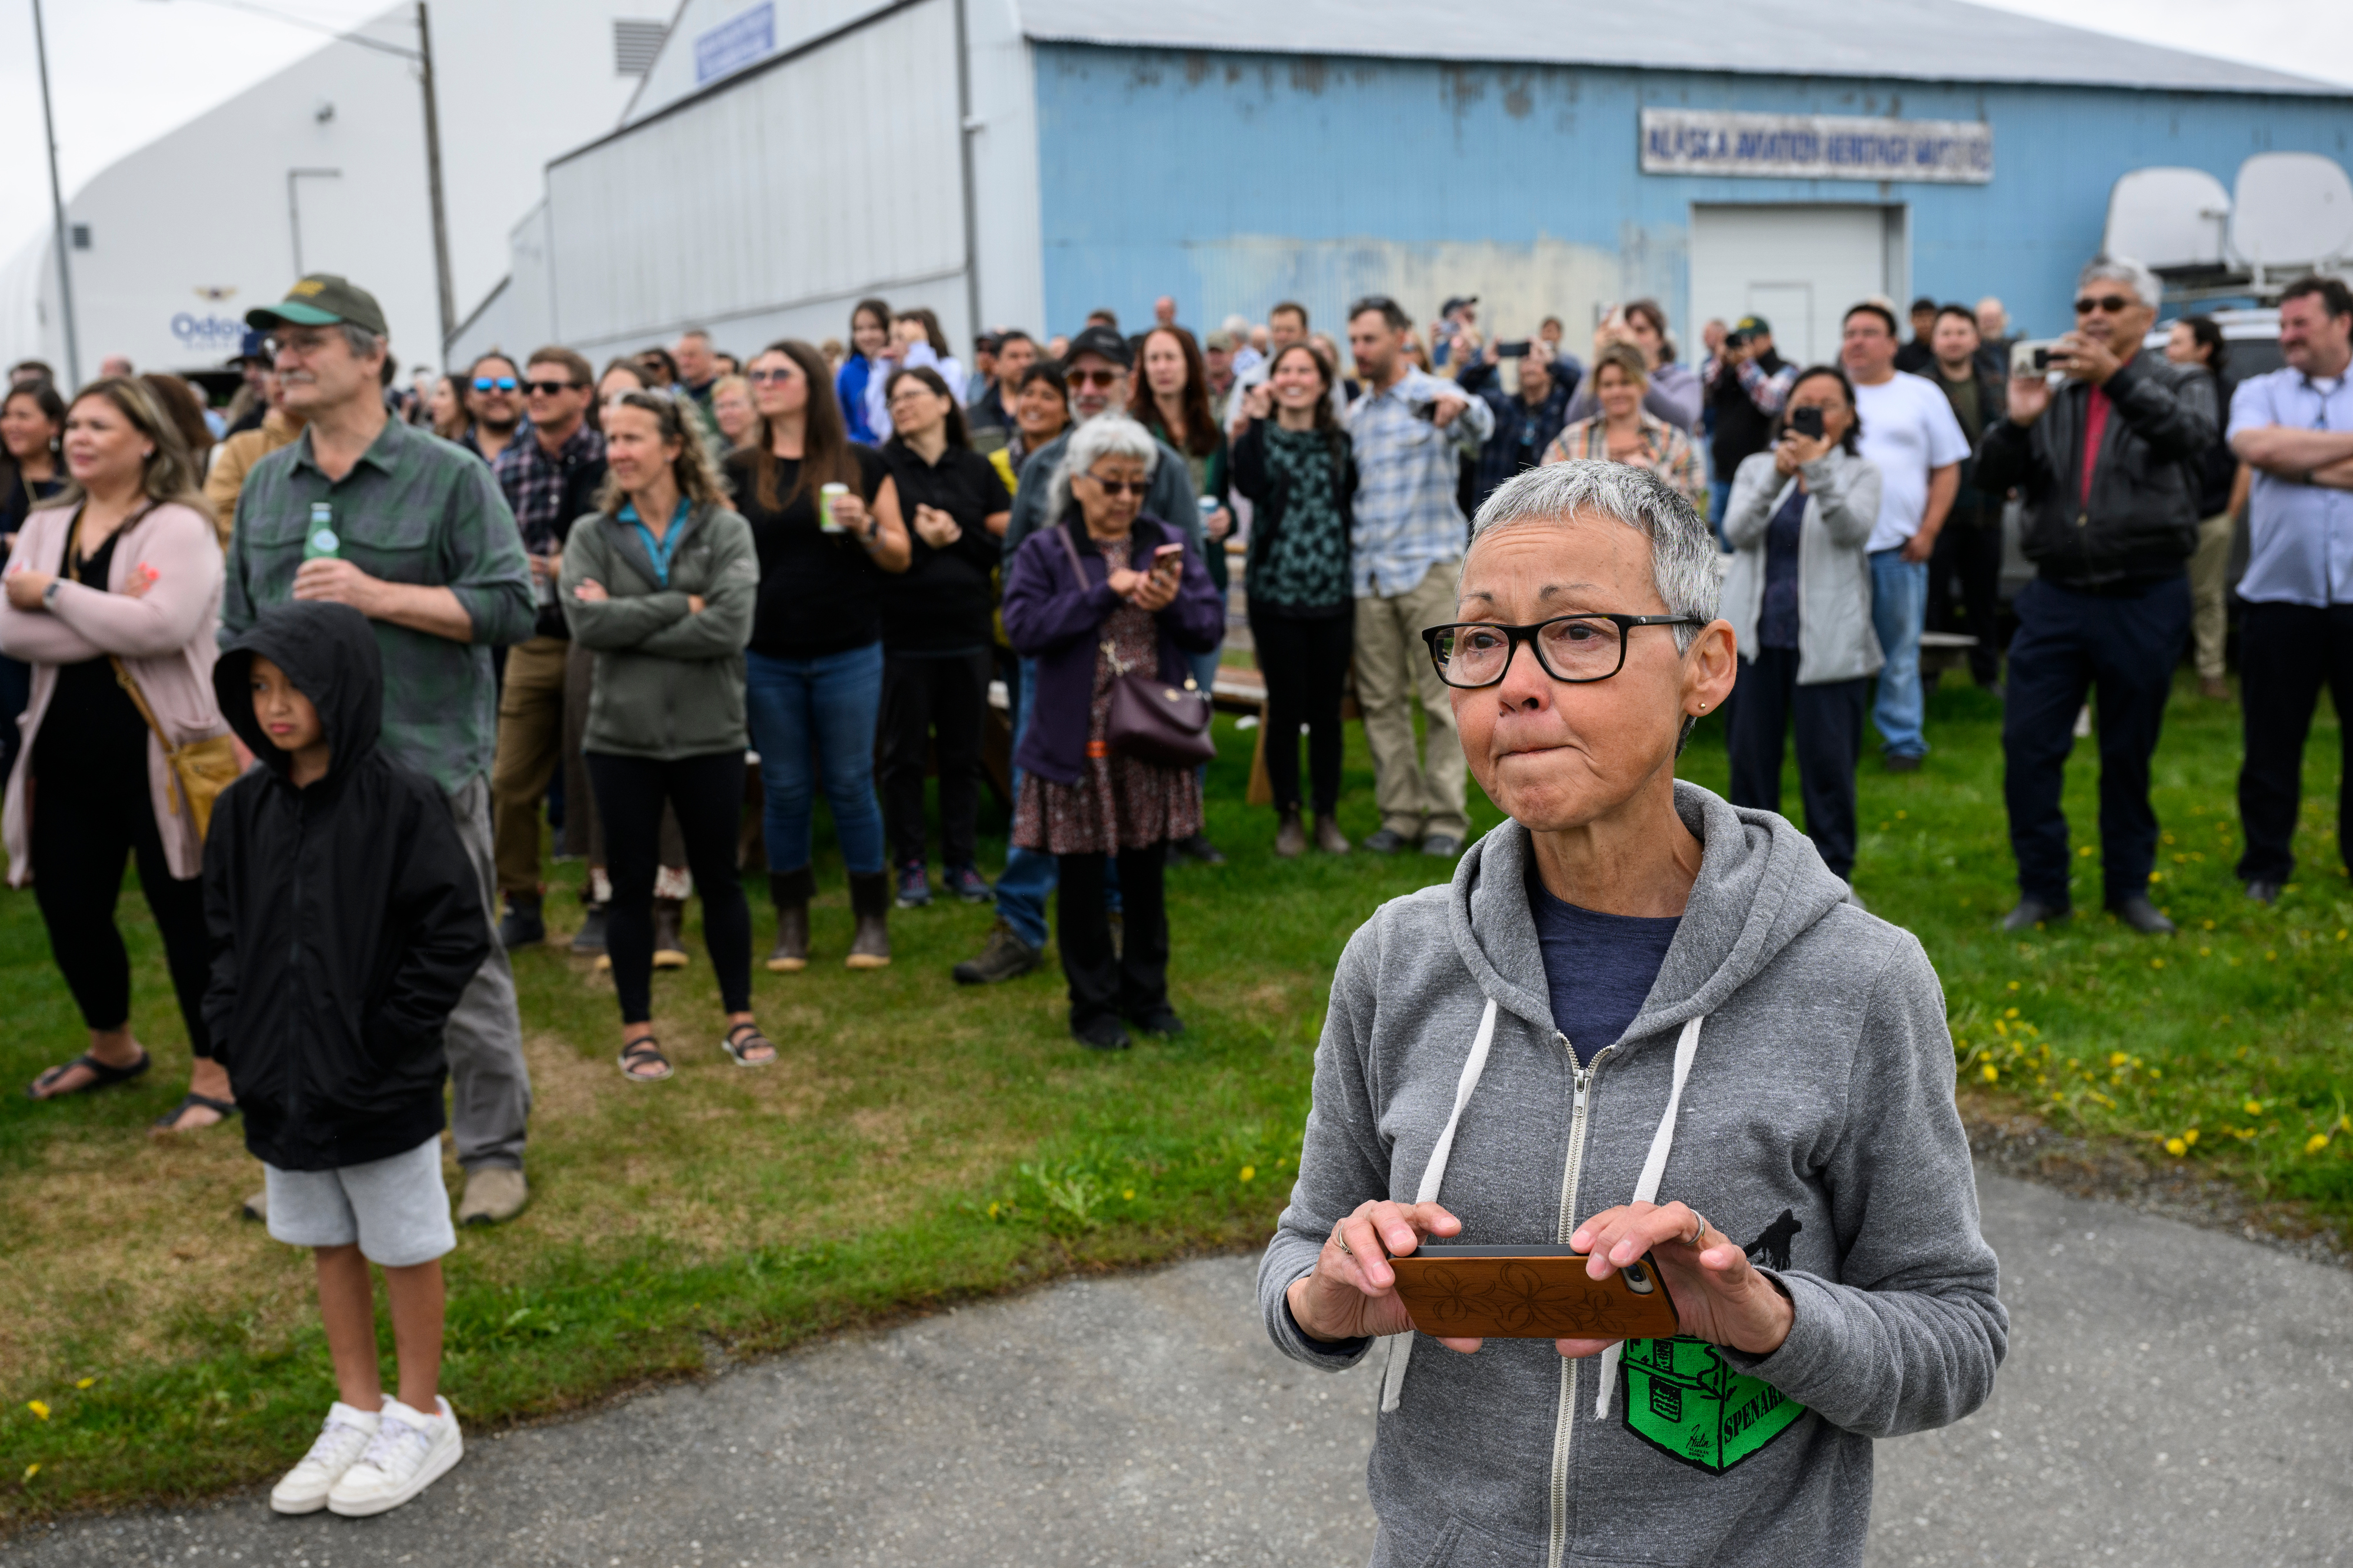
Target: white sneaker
410 1452
341 1442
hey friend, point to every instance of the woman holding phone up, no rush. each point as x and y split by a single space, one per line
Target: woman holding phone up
1103 591
1799 599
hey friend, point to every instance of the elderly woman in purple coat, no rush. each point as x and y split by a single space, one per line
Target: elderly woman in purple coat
1103 592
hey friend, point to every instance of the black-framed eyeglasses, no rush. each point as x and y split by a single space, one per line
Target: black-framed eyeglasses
549 388
1574 649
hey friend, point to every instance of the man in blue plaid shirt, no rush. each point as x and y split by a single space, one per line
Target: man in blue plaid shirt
1411 431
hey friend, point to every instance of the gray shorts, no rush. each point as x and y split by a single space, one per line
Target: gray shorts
397 1209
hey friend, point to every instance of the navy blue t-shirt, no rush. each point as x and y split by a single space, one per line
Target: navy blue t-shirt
1598 967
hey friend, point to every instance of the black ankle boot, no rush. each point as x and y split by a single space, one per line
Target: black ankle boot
870 901
791 890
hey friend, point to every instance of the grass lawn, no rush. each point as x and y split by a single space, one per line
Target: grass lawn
919 1142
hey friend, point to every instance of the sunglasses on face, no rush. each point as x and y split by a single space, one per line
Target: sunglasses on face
2112 304
1101 380
544 388
766 375
1115 487
494 383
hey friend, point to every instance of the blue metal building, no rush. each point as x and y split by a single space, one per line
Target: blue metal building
1022 162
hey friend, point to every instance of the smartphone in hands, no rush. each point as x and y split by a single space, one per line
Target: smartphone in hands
1806 422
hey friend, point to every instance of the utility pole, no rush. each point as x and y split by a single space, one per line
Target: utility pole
58 207
433 180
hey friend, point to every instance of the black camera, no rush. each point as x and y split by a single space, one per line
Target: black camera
1806 422
1513 351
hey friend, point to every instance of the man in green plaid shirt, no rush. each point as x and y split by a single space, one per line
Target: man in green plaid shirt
413 534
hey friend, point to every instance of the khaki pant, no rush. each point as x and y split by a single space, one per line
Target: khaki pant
2209 586
531 748
1393 666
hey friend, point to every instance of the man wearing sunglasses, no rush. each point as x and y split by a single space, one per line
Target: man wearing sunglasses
550 475
493 395
2103 451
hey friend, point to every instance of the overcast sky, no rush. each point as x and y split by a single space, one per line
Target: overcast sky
126 71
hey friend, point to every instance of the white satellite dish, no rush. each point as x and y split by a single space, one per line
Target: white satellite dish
2293 211
2170 219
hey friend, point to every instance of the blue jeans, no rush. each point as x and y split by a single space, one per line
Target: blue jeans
1899 602
1204 668
1031 875
1719 501
808 714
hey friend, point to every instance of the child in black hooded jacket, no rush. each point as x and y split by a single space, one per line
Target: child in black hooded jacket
346 920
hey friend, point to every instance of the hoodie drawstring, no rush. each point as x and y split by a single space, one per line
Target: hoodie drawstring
1401 1345
1646 1188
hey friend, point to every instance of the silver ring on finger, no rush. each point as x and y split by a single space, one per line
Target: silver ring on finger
1697 1239
1340 1241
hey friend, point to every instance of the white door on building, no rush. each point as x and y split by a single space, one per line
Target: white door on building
1799 267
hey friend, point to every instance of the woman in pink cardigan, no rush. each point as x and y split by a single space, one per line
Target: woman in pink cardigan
120 566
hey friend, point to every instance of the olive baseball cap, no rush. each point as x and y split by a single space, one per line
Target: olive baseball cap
322 300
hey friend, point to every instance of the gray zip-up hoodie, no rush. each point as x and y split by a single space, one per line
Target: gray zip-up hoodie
1816 1119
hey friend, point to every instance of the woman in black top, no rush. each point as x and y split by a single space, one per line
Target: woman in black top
814 669
32 427
1302 480
2198 340
936 631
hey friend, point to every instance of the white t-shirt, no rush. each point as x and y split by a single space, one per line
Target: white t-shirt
1908 428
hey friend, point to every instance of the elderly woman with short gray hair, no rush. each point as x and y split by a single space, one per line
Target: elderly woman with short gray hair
1641 1023
1104 591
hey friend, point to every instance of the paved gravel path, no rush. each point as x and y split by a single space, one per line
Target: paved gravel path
2172 1397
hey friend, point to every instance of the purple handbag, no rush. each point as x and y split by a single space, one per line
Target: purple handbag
1150 720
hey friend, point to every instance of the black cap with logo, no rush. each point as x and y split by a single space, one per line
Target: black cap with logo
322 300
1105 341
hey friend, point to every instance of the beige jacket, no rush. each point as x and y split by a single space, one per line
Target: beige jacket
234 458
166 636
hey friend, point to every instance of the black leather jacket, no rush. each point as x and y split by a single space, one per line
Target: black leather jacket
2139 524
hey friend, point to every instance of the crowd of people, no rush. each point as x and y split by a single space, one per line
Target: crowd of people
536 595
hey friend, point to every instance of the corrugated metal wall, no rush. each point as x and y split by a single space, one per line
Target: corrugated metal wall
1231 179
763 210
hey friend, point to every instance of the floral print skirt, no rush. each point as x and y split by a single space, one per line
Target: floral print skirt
1118 803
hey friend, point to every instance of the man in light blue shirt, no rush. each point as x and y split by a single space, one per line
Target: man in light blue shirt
1411 432
2294 428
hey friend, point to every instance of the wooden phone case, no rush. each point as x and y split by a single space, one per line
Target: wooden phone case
1530 1293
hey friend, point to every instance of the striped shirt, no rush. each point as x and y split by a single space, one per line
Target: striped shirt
1408 472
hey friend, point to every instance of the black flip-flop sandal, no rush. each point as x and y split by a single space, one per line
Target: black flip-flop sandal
644 1051
169 1121
743 1037
102 1076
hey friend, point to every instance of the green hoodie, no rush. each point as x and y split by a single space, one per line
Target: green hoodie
670 681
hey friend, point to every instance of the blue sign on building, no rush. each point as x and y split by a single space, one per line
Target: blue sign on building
735 43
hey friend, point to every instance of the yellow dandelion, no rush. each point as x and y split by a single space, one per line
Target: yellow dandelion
40 1410
2315 1143
2176 1147
2085 853
992 1211
84 1382
2013 986
2190 1136
2157 963
1249 1172
31 1470
1901 815
1991 1072
2205 953
2012 1013
2118 1059
1127 1192
2253 1108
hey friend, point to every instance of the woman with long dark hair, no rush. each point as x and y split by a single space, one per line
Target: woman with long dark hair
1300 474
870 335
936 630
824 512
1798 598
1171 399
113 597
32 469
658 582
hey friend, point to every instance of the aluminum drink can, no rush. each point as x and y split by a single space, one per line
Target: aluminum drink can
825 499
